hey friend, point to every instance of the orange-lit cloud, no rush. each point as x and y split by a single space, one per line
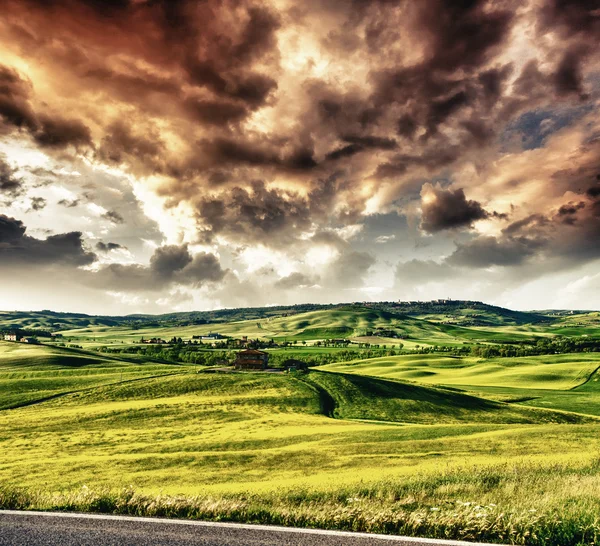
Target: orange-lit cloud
237 124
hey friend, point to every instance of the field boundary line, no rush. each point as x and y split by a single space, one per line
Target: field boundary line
250 527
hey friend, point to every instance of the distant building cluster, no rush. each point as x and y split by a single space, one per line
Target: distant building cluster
21 339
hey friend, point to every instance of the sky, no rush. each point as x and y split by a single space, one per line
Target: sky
176 155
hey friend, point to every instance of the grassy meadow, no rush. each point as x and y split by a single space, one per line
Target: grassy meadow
502 450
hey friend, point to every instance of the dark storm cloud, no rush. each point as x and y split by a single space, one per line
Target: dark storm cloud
17 113
168 260
123 142
568 77
593 191
534 221
461 36
59 133
15 109
114 217
216 112
274 122
38 203
264 215
169 265
567 214
17 248
107 247
578 23
10 184
449 209
571 18
69 203
407 126
360 143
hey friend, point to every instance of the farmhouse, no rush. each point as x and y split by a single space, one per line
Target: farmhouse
211 336
251 359
10 337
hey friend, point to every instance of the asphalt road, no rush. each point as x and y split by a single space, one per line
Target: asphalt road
54 529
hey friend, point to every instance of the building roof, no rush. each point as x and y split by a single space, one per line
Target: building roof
252 352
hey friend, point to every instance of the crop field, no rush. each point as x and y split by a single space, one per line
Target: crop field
498 449
557 372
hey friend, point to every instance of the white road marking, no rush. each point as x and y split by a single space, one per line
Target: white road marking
279 529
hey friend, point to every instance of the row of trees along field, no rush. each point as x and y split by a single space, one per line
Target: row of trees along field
511 349
196 354
178 351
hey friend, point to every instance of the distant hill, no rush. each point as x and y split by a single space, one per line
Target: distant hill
53 321
468 313
445 312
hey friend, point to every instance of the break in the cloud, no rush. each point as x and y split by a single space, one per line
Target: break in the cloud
252 151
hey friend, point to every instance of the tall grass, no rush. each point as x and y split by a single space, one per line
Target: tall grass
526 504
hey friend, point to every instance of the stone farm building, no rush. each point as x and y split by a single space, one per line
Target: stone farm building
251 359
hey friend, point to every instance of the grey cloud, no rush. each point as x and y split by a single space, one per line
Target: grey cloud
294 280
350 268
107 247
69 203
47 131
485 252
169 265
17 248
38 203
268 216
448 209
114 217
422 271
9 183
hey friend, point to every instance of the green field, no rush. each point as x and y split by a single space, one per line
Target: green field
500 449
345 322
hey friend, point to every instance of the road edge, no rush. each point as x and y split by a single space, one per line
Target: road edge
255 527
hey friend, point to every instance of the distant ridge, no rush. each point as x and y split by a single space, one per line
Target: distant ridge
457 312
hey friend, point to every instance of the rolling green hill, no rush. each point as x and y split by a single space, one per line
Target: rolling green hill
51 321
360 397
379 444
463 313
557 372
36 373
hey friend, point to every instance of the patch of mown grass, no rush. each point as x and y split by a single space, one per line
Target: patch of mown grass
361 397
524 504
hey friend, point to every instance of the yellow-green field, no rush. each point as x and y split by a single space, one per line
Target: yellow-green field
503 449
316 325
557 372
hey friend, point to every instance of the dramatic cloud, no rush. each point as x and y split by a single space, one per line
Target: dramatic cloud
38 203
107 247
170 264
325 148
10 184
112 216
448 209
47 131
17 248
